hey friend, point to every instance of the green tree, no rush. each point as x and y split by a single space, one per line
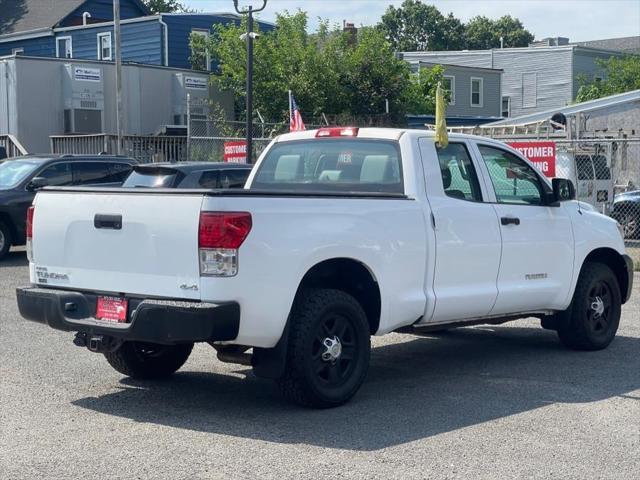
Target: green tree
483 33
329 72
415 26
164 6
620 74
421 95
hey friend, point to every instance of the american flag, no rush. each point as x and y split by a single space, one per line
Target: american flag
295 119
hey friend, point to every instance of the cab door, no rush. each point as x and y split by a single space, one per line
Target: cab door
466 231
537 239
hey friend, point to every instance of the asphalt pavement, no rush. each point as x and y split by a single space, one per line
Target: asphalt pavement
473 403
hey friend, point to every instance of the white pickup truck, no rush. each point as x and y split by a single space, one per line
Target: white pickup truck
339 234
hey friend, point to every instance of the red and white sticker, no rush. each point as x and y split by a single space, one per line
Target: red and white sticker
113 309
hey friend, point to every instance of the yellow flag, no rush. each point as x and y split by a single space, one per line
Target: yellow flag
442 138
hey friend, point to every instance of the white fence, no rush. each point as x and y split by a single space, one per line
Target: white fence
145 149
12 146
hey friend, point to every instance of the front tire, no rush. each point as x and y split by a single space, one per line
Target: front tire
328 350
148 360
592 319
5 239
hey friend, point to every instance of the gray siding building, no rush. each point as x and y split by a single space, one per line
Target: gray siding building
534 79
474 92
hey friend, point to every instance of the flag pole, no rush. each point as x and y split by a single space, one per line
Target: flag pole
290 110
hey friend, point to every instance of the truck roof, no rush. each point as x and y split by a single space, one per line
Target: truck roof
377 133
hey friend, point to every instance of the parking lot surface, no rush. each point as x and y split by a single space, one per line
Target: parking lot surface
485 402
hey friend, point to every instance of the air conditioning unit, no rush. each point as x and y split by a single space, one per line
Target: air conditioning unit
83 94
197 87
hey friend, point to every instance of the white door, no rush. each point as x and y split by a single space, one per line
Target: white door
537 239
466 231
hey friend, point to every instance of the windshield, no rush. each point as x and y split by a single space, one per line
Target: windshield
150 179
332 165
12 172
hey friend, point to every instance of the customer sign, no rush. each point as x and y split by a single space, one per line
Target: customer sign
541 154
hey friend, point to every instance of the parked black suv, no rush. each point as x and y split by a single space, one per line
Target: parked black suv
189 175
20 177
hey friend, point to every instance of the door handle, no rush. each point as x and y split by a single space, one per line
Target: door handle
510 220
113 222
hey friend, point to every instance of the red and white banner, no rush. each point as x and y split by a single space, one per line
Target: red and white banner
235 152
541 154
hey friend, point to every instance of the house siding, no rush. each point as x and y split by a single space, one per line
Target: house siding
491 92
556 71
553 67
141 41
180 27
36 47
102 10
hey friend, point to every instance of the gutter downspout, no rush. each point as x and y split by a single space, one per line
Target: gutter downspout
166 41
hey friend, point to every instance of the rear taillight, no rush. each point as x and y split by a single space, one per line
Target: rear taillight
219 237
29 232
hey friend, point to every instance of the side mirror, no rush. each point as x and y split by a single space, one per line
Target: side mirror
37 183
563 189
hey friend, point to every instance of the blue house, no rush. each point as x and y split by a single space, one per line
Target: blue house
83 29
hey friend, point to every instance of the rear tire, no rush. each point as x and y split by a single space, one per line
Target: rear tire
592 319
328 349
148 360
6 239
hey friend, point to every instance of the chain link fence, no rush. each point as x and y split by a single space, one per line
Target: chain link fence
209 130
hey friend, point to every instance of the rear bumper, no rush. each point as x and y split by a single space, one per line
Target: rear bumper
629 264
155 321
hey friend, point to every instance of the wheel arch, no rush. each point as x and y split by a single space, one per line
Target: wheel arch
8 221
350 276
615 261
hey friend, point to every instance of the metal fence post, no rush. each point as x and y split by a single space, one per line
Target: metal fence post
188 127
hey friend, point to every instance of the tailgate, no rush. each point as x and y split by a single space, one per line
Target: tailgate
135 243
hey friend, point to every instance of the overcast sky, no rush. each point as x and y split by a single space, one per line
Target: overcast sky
577 19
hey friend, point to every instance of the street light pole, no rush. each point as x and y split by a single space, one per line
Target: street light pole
249 37
118 55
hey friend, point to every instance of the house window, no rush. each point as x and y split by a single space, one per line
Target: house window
529 90
64 48
200 60
104 46
449 84
17 51
477 88
506 107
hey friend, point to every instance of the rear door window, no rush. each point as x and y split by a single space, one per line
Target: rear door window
151 178
332 165
58 174
584 167
459 177
208 179
602 170
120 171
233 178
97 173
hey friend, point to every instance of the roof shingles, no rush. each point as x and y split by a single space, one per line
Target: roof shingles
27 15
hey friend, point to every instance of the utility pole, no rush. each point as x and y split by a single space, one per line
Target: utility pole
249 37
116 35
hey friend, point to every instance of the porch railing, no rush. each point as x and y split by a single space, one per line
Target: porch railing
145 149
12 146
